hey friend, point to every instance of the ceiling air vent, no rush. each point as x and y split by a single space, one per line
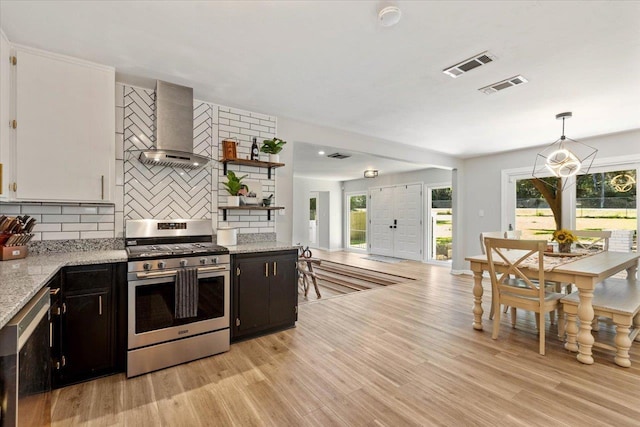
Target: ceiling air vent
339 156
469 64
504 84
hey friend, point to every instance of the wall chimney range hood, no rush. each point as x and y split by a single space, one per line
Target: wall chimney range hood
173 129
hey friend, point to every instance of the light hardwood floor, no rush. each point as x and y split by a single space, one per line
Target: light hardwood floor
403 355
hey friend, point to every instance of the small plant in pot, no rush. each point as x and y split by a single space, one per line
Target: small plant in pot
234 187
273 147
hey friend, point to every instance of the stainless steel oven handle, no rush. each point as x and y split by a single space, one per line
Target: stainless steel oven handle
169 273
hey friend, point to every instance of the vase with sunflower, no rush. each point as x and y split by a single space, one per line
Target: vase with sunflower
564 238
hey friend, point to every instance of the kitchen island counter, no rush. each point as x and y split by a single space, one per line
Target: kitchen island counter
21 279
244 248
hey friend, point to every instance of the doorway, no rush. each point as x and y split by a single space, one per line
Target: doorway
313 219
440 229
356 205
396 221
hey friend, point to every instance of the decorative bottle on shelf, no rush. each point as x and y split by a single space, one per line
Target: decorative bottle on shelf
255 153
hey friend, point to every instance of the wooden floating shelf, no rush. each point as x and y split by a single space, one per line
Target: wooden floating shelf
249 208
247 162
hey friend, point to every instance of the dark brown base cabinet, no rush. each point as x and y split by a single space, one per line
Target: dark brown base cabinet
265 293
87 323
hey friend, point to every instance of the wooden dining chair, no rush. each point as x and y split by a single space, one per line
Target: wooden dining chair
513 234
511 286
592 239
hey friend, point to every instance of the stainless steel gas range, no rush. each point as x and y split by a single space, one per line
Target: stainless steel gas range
164 256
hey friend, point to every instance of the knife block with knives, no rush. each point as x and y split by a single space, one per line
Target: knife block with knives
15 233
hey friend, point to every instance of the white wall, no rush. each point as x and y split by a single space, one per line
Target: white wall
301 189
481 185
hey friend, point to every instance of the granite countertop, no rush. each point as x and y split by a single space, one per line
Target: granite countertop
21 279
244 248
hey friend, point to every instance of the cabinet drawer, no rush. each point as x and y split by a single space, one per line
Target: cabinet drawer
87 278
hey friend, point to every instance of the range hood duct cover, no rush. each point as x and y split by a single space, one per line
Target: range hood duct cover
173 124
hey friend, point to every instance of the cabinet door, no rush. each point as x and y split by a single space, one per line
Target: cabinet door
87 334
66 125
5 117
283 297
253 294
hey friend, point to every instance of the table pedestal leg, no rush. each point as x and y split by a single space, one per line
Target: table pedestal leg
571 329
636 325
477 300
623 343
632 271
585 339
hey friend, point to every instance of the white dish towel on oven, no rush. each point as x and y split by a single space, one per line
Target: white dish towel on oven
186 293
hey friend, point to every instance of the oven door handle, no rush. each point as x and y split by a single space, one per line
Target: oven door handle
169 273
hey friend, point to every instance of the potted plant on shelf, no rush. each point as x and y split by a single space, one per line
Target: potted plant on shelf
272 147
234 187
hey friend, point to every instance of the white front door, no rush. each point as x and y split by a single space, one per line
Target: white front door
396 221
407 242
382 211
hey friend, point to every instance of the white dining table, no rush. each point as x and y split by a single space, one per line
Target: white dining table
584 273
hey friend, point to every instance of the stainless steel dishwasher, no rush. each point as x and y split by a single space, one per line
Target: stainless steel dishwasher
25 365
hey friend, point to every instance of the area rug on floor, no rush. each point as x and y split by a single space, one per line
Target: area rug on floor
335 279
382 258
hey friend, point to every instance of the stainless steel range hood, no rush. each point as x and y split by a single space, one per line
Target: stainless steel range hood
173 129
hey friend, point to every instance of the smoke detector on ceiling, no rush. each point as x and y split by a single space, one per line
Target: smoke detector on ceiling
504 84
467 65
389 16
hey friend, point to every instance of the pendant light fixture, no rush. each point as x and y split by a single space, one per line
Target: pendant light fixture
564 158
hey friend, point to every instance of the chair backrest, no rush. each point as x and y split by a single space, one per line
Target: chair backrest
506 258
592 239
497 234
512 234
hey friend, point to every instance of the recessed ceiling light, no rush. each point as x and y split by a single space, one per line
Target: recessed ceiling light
389 16
321 153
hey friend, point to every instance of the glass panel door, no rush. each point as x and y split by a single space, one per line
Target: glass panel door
357 224
440 227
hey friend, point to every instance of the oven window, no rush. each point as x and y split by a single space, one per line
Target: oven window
155 304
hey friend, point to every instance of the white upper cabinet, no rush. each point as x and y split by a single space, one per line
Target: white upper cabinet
64 140
5 133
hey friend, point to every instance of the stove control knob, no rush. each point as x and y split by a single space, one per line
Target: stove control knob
214 260
183 262
162 264
146 266
203 261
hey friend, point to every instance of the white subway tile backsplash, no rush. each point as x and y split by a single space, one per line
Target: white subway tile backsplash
64 235
7 209
241 125
230 116
119 146
96 218
60 218
105 226
96 234
105 210
230 129
41 209
92 226
80 210
119 120
249 119
260 128
260 116
47 227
